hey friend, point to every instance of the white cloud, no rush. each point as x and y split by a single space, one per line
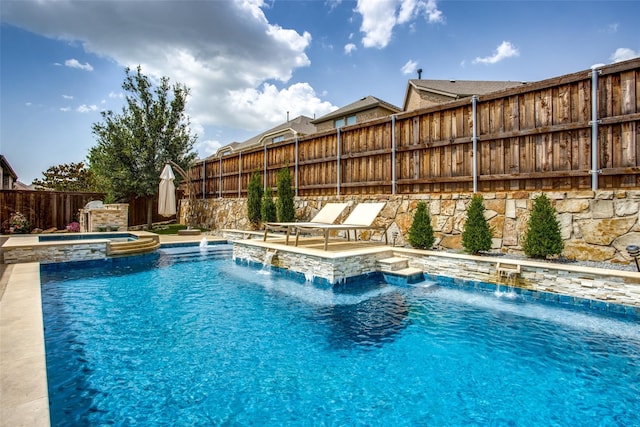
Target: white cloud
205 148
253 107
504 51
349 47
119 95
409 67
623 54
86 108
74 63
67 96
216 48
380 17
65 109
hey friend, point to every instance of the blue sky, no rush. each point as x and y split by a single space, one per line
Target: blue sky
250 62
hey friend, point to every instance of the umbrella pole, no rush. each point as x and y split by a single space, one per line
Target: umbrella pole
189 214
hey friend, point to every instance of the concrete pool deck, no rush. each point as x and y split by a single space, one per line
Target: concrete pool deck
23 377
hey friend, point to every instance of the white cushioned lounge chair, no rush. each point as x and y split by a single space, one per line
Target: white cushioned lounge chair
325 216
361 218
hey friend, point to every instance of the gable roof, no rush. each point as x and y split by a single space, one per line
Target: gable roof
300 125
456 89
4 164
366 103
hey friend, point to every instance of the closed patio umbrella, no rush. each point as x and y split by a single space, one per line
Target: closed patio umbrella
167 194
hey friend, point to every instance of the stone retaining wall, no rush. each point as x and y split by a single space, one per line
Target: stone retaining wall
595 226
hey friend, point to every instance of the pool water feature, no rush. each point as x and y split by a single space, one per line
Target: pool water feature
182 340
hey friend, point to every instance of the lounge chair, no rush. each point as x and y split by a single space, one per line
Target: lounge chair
325 216
361 218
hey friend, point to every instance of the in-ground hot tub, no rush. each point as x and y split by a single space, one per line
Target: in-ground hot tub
67 247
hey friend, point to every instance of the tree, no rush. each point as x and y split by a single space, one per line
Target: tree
476 236
134 146
67 177
421 232
254 200
543 237
268 206
285 203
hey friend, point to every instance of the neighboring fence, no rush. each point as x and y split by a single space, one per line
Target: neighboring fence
138 210
46 209
534 137
43 209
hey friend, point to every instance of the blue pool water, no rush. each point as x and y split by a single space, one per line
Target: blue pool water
193 339
86 236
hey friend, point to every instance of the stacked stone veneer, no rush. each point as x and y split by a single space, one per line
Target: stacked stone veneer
115 216
599 289
333 269
51 253
596 226
537 279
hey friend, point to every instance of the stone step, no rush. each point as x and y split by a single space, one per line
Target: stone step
392 264
140 246
404 276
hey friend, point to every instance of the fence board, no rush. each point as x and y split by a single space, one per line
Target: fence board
533 137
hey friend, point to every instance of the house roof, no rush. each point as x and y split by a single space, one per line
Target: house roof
4 164
458 88
300 125
366 103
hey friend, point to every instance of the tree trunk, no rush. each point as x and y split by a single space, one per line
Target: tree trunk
149 213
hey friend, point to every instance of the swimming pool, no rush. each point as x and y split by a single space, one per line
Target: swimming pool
194 339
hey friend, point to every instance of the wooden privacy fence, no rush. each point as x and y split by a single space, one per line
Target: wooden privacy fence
558 134
46 209
43 209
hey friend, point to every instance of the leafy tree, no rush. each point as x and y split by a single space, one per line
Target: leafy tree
254 200
542 237
476 236
67 177
285 204
421 232
134 146
268 206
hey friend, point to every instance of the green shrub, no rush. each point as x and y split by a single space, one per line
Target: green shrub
542 237
476 236
421 232
268 206
285 204
254 200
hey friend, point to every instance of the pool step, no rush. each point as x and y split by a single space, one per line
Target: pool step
392 264
134 247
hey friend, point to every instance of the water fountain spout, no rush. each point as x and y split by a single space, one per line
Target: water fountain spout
510 272
268 261
204 243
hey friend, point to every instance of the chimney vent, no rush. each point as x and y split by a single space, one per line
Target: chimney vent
419 73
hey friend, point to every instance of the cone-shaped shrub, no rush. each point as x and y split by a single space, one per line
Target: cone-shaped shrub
268 206
542 237
285 205
421 232
476 236
254 200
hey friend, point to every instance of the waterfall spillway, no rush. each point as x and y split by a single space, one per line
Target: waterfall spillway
267 262
204 243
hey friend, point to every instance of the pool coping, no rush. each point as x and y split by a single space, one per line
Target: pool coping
23 369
